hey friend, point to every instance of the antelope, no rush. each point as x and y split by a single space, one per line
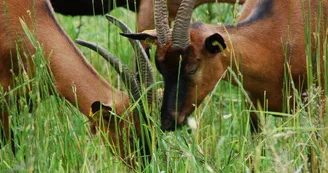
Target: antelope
143 7
69 67
192 58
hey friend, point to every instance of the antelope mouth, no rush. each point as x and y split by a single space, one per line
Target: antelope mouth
173 121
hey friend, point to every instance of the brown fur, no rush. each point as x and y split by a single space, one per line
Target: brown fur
146 13
144 8
68 65
257 44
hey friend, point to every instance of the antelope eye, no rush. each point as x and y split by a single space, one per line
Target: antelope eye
192 70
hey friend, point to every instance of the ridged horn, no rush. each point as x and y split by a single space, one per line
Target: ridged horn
162 22
128 78
147 72
180 33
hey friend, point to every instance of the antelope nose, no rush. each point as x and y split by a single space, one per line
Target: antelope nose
169 121
167 124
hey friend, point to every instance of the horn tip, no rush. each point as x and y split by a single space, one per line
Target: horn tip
81 42
110 17
127 35
123 34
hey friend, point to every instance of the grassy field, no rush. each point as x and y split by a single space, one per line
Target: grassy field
55 136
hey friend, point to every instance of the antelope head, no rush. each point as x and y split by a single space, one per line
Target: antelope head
122 128
187 57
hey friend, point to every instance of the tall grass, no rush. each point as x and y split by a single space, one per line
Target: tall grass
55 137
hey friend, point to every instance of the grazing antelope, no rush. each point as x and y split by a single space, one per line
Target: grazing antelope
192 58
69 67
144 8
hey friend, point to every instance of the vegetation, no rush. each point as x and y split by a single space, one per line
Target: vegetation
55 137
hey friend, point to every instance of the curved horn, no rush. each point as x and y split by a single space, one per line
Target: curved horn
147 73
127 77
119 24
180 33
162 22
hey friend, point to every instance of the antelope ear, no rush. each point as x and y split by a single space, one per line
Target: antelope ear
149 36
98 109
215 43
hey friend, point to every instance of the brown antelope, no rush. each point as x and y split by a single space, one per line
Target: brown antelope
192 58
144 8
68 66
